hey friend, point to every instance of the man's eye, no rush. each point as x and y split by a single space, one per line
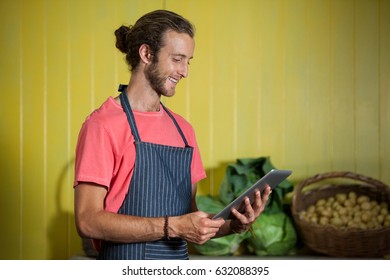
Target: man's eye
177 59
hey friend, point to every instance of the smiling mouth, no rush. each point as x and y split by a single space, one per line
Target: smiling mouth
173 80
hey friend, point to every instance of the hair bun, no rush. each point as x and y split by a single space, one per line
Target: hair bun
121 38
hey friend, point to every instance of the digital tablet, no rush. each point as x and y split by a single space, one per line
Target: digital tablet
272 178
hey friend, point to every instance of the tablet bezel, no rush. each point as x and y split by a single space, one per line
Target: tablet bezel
272 178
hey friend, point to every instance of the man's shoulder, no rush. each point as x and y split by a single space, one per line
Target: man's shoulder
108 116
107 111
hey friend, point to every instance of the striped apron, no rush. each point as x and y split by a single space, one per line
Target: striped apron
160 186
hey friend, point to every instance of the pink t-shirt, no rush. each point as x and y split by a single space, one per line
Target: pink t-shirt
105 152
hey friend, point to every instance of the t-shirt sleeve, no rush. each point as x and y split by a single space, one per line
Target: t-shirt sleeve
197 169
94 160
198 172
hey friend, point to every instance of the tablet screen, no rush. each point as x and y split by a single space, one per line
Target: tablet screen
272 178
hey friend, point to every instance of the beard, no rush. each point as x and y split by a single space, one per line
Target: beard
157 80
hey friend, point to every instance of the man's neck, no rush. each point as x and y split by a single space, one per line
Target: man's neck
141 96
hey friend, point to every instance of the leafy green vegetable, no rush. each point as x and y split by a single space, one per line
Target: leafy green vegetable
244 173
239 176
274 234
222 246
209 204
274 231
226 245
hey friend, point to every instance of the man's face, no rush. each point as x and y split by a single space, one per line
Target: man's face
172 63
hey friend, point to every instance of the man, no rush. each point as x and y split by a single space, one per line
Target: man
137 162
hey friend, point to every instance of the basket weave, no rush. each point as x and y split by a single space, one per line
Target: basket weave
341 242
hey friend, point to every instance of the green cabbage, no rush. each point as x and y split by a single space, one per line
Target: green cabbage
274 234
226 245
222 246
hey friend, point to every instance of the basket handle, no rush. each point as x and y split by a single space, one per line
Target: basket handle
340 174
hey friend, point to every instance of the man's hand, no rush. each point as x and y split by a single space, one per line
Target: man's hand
243 222
196 227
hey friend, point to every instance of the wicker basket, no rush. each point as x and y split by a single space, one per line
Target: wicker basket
341 242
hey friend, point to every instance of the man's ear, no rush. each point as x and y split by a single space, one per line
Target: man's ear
145 53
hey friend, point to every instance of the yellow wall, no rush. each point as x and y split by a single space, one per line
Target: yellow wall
306 82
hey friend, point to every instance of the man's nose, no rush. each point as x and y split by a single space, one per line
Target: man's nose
183 71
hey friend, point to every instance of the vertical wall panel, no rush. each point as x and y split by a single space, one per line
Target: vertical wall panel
384 88
59 156
247 93
222 144
296 76
342 85
225 83
102 51
10 140
34 184
319 134
367 87
80 97
272 102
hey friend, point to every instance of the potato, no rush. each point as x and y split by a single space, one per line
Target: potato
343 211
348 210
320 202
357 218
324 221
380 218
351 224
336 222
365 217
320 209
314 219
352 195
350 203
341 197
362 198
366 205
330 200
311 209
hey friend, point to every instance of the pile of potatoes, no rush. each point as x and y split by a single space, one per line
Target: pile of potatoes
348 210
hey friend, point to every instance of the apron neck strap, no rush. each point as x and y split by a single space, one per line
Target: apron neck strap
177 125
129 113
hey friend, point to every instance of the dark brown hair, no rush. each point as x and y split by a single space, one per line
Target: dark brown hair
149 29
